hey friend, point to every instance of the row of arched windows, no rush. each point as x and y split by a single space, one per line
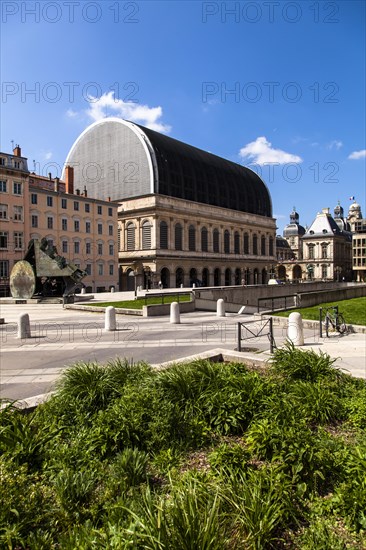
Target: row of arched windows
251 244
218 277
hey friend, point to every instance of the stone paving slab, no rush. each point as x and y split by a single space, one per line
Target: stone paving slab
61 337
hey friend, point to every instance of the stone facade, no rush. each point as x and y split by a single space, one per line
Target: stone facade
321 252
182 243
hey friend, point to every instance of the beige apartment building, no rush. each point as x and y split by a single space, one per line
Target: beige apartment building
83 229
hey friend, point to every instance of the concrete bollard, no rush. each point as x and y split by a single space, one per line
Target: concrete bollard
110 318
174 313
220 308
295 330
83 290
24 326
112 288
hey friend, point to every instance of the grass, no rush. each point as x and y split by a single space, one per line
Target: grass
201 456
140 302
353 311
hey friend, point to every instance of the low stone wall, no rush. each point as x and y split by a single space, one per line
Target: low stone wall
153 310
300 293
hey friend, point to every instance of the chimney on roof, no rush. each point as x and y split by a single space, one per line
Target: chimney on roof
17 152
49 176
85 191
69 180
78 191
57 183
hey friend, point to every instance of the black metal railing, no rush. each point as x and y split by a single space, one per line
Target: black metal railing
259 328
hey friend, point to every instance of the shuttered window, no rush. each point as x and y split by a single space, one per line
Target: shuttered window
178 237
163 235
204 240
192 238
130 230
146 235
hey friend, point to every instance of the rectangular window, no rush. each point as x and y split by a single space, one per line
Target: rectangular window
18 213
100 269
76 247
64 224
76 226
111 269
49 222
2 161
49 201
87 227
64 203
3 186
110 211
18 240
99 209
76 205
3 211
34 198
34 221
64 246
100 249
88 269
4 235
111 249
17 188
100 229
88 248
4 268
110 230
87 207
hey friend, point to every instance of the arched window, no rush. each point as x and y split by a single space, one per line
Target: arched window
130 236
227 242
179 277
192 238
178 237
205 277
263 245
163 235
216 240
255 245
236 243
146 235
217 277
246 243
204 240
227 277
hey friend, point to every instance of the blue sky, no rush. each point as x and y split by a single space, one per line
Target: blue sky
276 86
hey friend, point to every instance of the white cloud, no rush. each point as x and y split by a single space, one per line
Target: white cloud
46 155
71 114
357 155
261 152
335 144
107 106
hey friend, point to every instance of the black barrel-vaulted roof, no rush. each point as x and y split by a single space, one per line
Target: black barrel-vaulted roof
122 160
190 173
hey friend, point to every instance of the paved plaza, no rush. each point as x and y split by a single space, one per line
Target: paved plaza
61 337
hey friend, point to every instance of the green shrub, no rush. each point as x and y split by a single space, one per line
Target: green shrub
297 364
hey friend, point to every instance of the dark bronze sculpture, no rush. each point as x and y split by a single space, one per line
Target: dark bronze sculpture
44 272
